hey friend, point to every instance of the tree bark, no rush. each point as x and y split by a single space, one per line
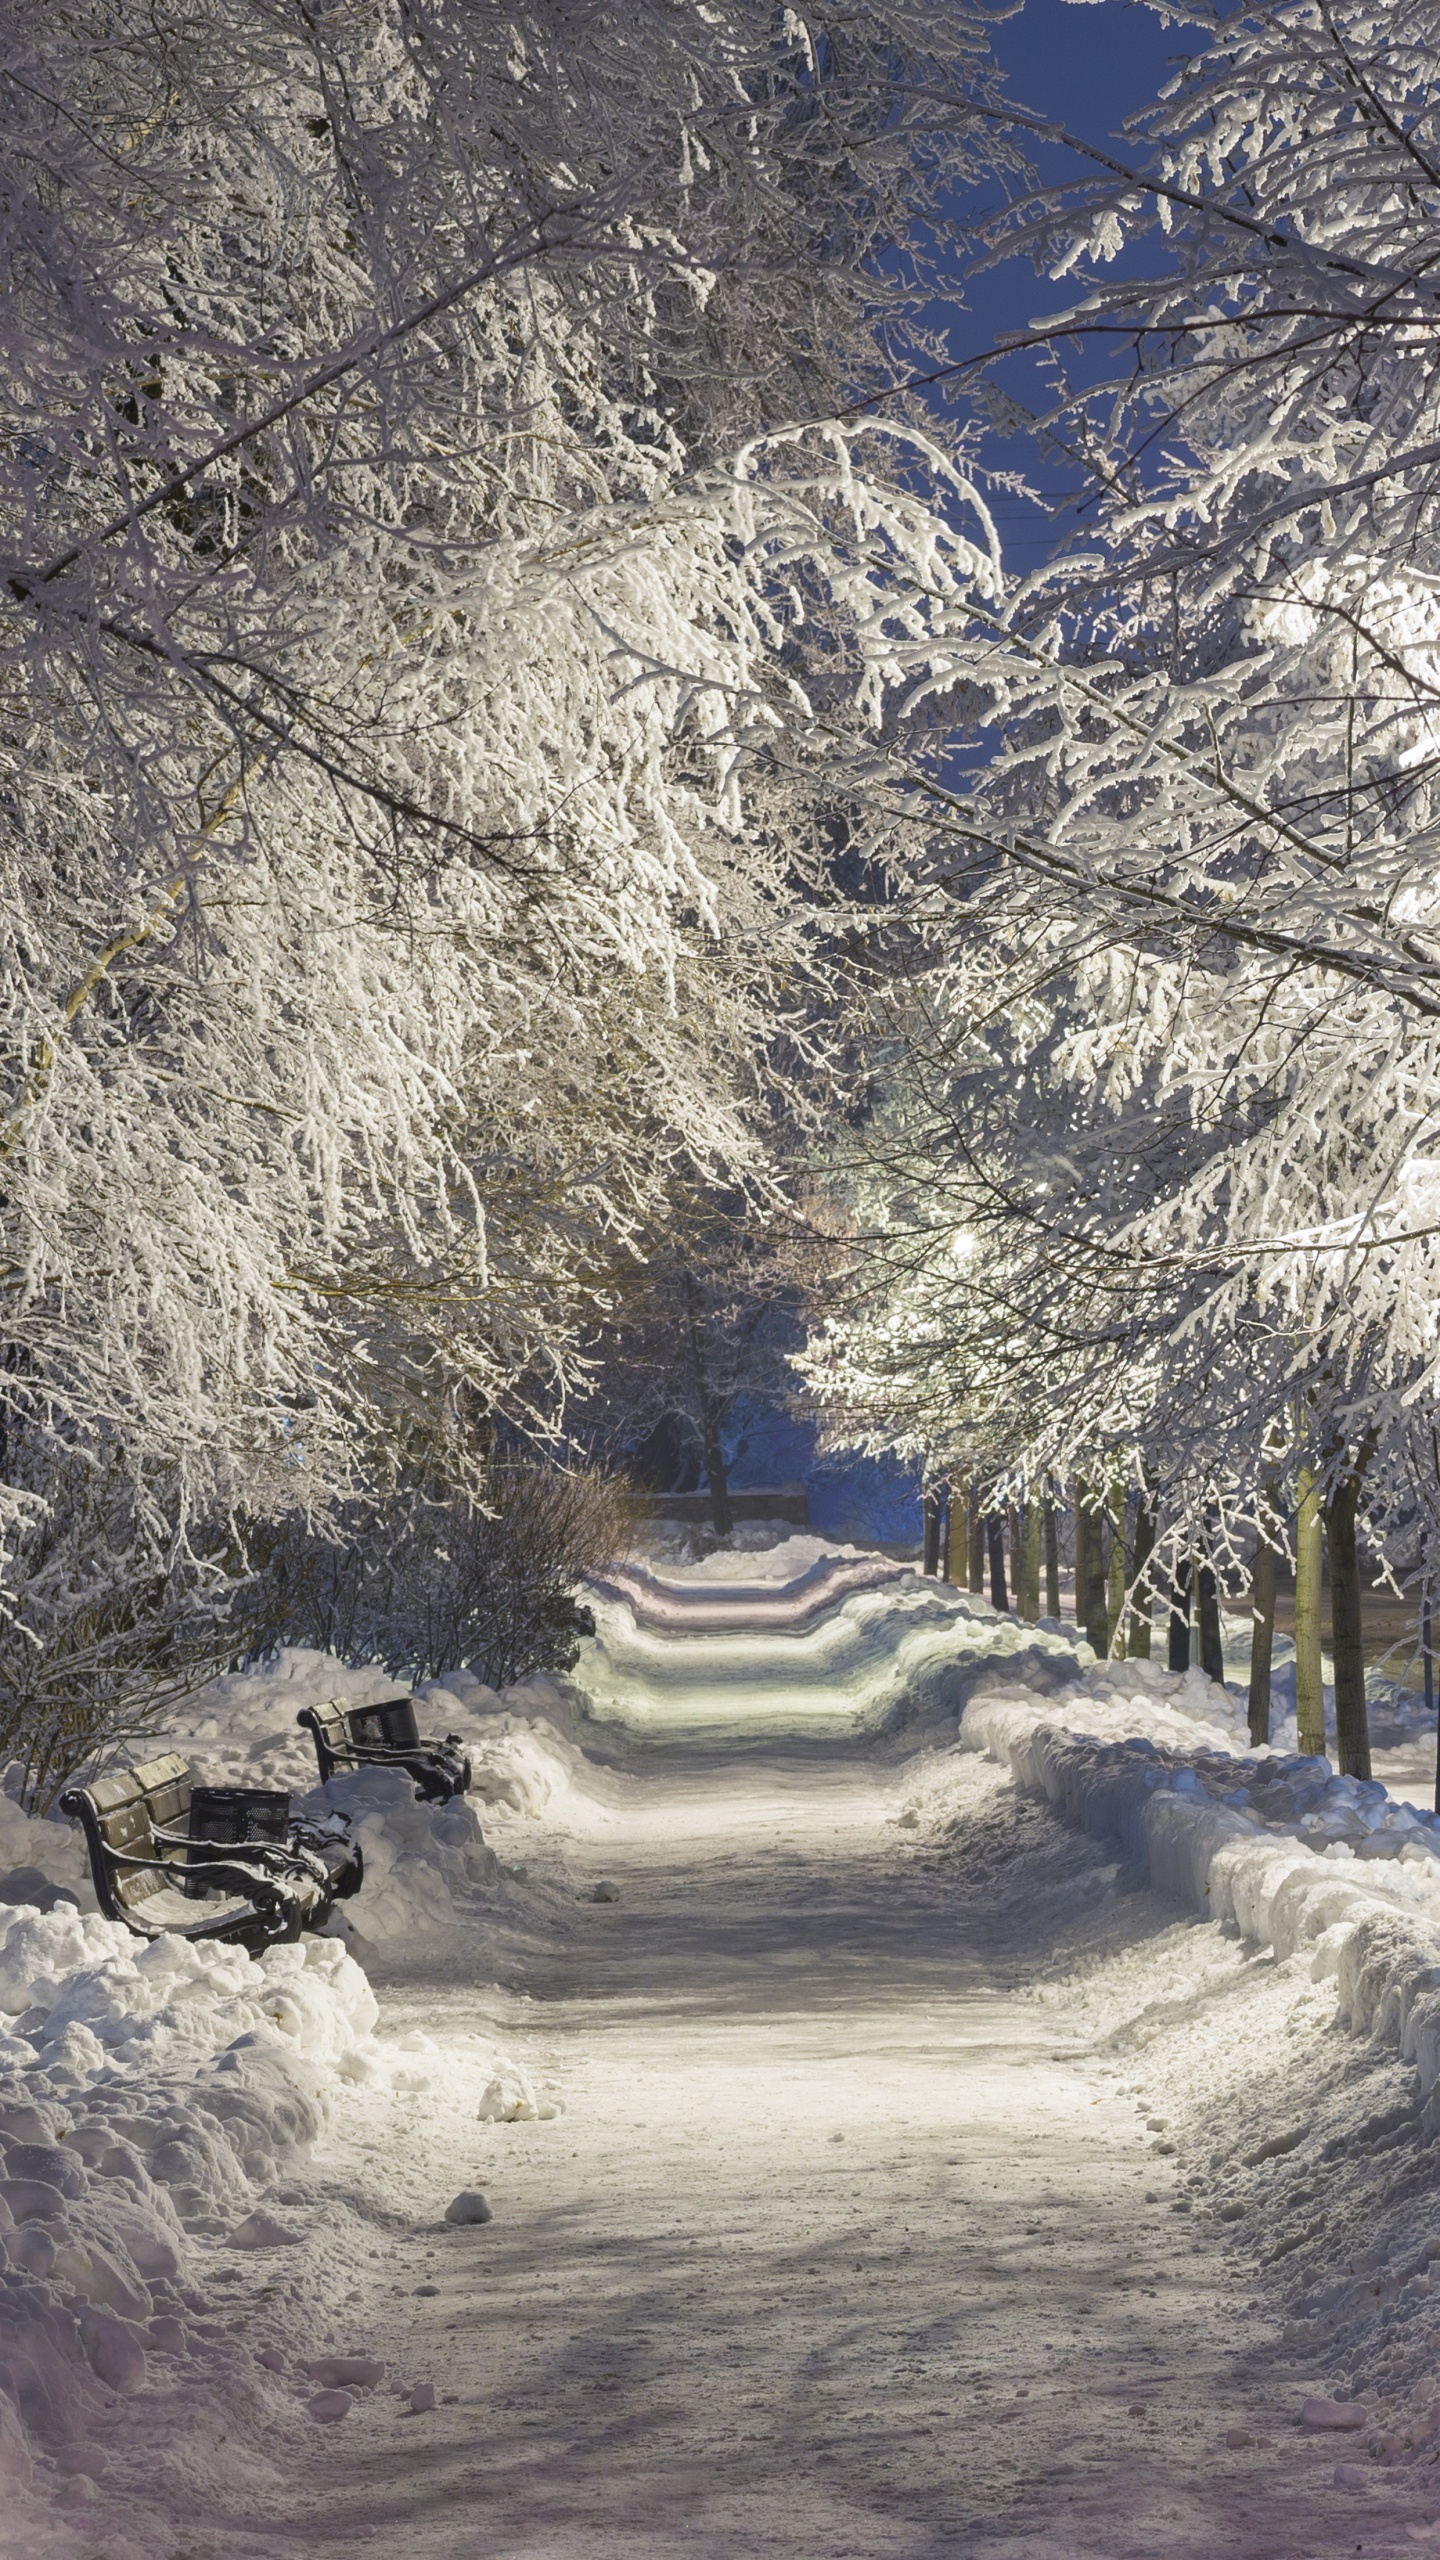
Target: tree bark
1347 1633
1309 1688
1097 1616
1262 1639
1028 1596
995 1536
930 1512
1052 1560
1116 1579
1142 1581
1177 1649
721 1516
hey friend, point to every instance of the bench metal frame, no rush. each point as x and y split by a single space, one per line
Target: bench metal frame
266 1877
438 1769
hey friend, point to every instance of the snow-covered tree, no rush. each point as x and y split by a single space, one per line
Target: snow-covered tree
1184 898
395 875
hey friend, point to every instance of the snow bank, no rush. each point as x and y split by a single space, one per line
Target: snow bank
39 1859
149 2094
1275 1847
152 2094
525 1752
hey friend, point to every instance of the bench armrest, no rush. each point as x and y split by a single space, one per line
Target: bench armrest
271 1855
380 1754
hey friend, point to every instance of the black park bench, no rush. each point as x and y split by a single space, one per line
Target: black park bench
385 1735
230 1863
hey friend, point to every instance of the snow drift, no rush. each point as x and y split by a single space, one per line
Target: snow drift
1277 1848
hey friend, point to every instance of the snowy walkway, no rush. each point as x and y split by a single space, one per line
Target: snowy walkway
842 2244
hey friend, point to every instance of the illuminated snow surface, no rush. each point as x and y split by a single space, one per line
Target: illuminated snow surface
881 2166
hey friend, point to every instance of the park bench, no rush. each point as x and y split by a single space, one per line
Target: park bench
230 1863
384 1735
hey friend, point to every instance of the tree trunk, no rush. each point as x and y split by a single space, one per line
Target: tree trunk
1309 1689
1082 1534
942 1557
977 1543
1097 1617
1347 1634
1431 1678
1052 1560
1028 1597
1262 1638
930 1512
995 1536
1116 1579
721 1515
1177 1650
956 1540
1207 1612
1142 1580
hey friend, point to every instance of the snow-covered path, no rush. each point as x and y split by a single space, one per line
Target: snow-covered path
845 2241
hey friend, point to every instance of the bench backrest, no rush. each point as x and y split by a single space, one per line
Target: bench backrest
126 1811
346 1733
387 1725
235 1816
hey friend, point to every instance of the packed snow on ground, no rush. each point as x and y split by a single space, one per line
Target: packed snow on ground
159 2104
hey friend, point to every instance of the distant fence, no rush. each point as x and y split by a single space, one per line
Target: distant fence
789 1502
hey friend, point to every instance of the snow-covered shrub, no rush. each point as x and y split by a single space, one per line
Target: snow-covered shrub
111 1622
424 1581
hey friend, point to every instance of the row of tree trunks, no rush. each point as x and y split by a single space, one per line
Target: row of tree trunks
972 1537
1115 1608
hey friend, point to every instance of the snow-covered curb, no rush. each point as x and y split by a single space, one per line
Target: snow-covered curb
1281 1850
